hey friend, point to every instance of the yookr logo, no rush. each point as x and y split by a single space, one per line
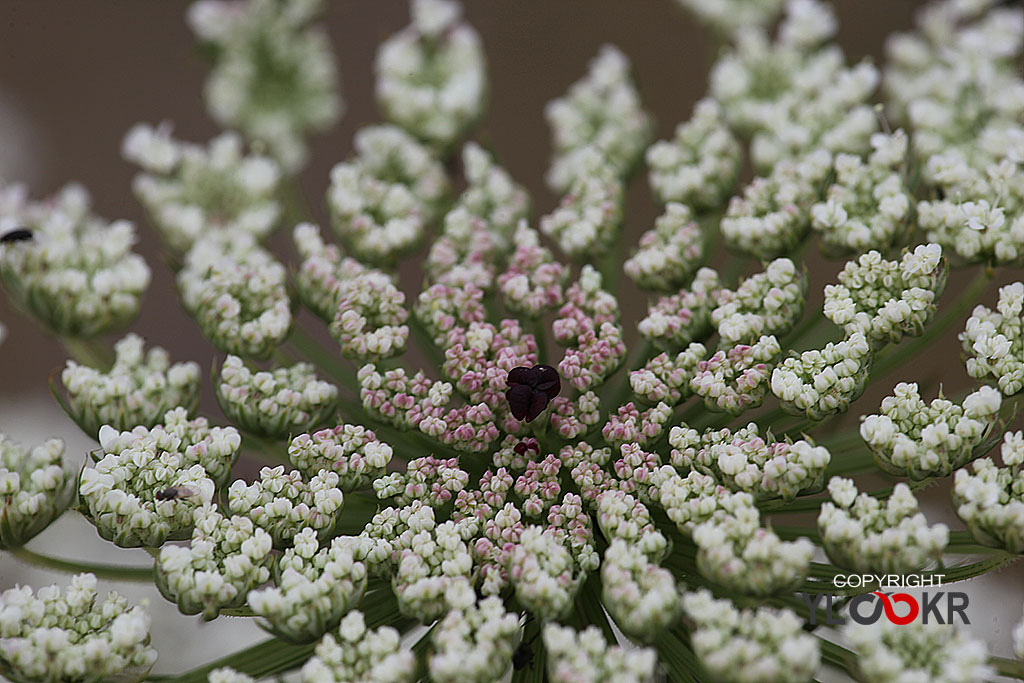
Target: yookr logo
868 608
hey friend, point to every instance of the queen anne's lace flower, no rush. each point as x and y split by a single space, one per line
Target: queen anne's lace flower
381 200
356 653
868 206
72 637
276 403
990 499
763 645
429 480
917 439
665 378
534 281
769 302
699 165
238 294
227 558
744 461
601 111
586 656
190 190
890 653
226 674
993 341
544 573
773 214
587 220
864 534
315 587
675 321
641 596
824 382
35 489
76 273
137 390
736 379
351 451
431 76
274 76
474 642
733 15
285 505
668 255
887 299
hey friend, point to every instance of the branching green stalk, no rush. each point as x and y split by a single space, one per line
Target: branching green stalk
111 572
311 348
91 352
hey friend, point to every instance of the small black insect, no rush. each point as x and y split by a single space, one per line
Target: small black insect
16 235
530 390
174 492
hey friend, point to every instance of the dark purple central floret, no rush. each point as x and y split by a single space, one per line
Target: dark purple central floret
530 389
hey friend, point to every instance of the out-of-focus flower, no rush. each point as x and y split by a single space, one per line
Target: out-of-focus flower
731 16
274 76
431 76
889 653
35 489
278 403
587 220
356 653
226 674
237 292
77 274
993 341
72 636
990 499
763 645
917 439
226 558
315 587
138 390
864 534
641 596
190 190
586 656
474 642
602 110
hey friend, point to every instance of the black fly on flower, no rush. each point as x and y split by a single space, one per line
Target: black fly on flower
531 389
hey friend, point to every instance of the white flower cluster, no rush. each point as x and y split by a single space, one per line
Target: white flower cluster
226 558
277 403
795 94
137 390
769 302
864 534
72 637
694 499
602 111
675 321
351 451
920 440
736 379
586 221
820 383
322 272
237 292
887 299
574 656
729 16
544 574
382 200
191 190
990 499
641 596
145 488
274 77
699 165
742 460
370 316
993 341
868 205
475 641
735 551
315 587
763 645
77 273
430 480
226 674
773 214
356 653
431 76
664 378
534 281
891 653
35 489
284 505
669 255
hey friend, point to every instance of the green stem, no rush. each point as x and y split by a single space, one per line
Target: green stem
323 359
542 339
1012 668
110 572
895 356
425 343
91 352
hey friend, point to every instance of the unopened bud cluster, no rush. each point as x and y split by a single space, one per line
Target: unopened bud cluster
990 499
823 382
674 321
735 380
586 656
668 255
888 653
350 451
769 302
993 341
357 653
285 505
35 489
